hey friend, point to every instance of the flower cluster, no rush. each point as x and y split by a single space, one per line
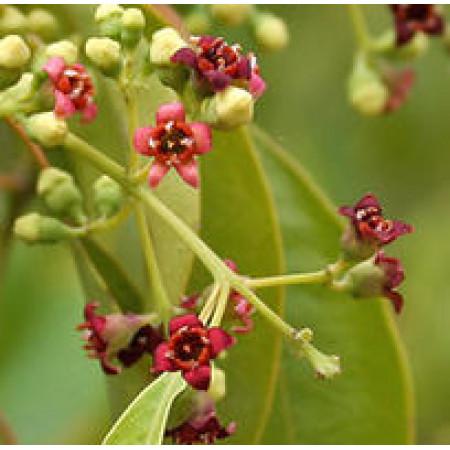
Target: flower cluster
367 232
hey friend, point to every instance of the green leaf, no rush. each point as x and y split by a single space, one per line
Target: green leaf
144 421
370 402
238 222
119 284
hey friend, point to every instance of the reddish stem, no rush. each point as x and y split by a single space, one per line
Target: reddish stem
6 433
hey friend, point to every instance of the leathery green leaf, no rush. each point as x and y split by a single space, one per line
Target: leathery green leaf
144 421
370 402
238 222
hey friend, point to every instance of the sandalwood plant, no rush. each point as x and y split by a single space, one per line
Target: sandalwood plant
210 313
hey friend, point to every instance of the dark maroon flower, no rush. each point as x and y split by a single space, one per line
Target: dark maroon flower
123 336
399 83
73 88
369 227
217 65
393 277
202 427
173 142
190 348
409 19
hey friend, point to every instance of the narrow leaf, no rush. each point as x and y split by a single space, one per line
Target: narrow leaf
144 421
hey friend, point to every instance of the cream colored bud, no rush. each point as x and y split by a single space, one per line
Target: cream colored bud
232 15
42 23
108 11
229 109
165 43
133 18
47 129
12 21
34 228
104 53
65 49
271 32
217 387
14 52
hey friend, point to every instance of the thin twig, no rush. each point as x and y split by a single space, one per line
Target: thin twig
34 148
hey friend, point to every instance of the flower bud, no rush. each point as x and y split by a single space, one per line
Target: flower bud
133 24
108 196
105 54
60 193
34 228
12 99
109 18
12 21
43 23
228 109
271 32
14 52
197 22
367 92
231 15
217 387
47 129
165 43
65 49
387 46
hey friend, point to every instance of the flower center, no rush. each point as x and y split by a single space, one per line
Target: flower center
189 348
77 85
372 216
417 13
175 139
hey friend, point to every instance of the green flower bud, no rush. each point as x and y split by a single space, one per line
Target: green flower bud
133 24
386 46
365 279
60 193
47 129
165 43
12 21
65 49
105 54
17 96
367 92
109 18
198 22
271 32
228 109
14 52
217 388
43 23
34 228
108 196
231 15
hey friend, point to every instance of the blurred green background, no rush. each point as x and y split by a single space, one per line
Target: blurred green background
50 392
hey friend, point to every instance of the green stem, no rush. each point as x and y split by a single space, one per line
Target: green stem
103 224
321 276
299 172
221 273
220 305
163 305
360 27
210 303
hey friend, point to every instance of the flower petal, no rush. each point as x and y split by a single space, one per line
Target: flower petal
63 105
185 56
347 211
368 201
54 67
156 173
199 378
189 172
189 320
257 86
219 81
141 140
202 137
160 361
89 113
220 340
395 298
170 111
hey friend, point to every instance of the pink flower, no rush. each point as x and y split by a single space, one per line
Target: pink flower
393 277
123 336
190 348
202 427
409 19
216 65
173 142
73 88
